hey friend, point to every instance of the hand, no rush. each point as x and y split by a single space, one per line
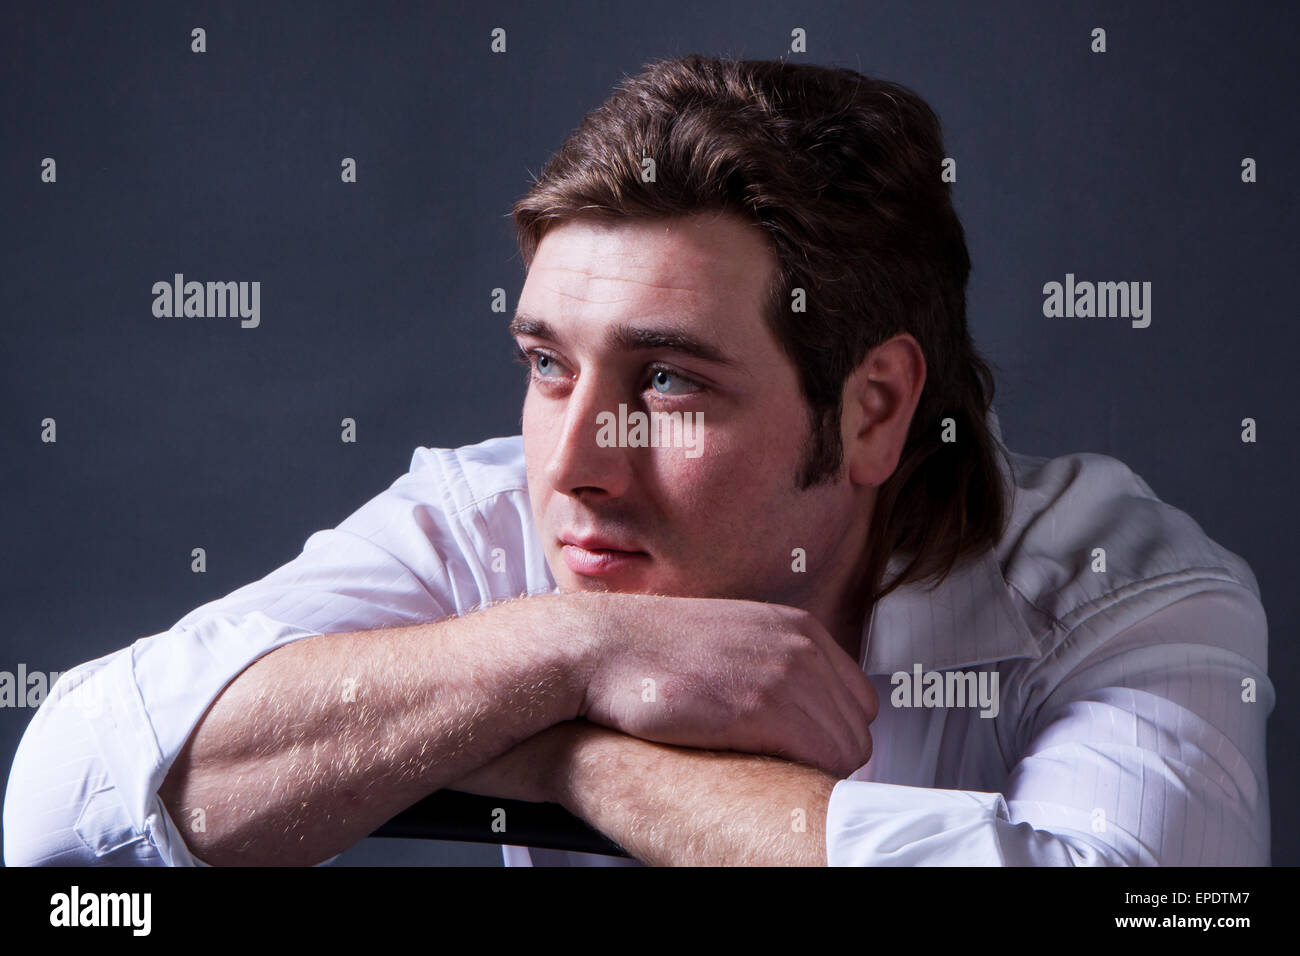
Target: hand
728 675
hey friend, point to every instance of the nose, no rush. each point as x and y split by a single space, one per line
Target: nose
578 465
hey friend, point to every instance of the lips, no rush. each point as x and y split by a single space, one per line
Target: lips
596 556
597 543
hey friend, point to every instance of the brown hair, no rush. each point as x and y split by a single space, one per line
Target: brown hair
843 175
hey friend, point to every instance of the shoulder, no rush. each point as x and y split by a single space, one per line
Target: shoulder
471 475
479 508
1087 535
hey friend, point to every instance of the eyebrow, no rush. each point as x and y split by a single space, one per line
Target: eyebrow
631 338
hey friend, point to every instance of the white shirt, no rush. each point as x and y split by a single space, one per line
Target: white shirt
1131 701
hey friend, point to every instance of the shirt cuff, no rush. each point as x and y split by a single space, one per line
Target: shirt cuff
178 673
884 824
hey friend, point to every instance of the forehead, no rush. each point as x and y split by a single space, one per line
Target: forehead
710 268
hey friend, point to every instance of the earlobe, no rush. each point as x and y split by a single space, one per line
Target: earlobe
880 399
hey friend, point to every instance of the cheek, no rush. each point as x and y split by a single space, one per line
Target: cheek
536 450
732 488
540 426
733 524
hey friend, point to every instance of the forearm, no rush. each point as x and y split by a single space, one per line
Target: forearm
678 806
316 744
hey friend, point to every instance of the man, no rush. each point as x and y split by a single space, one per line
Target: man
823 617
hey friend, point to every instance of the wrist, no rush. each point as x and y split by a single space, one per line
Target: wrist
584 616
577 746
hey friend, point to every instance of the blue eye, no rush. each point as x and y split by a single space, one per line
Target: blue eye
662 379
544 364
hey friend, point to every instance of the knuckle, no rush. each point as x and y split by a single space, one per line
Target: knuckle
769 698
873 702
778 668
788 620
864 754
835 757
801 622
752 704
799 652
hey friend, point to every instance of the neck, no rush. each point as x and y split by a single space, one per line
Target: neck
844 608
850 627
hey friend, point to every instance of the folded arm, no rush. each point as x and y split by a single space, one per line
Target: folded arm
1150 752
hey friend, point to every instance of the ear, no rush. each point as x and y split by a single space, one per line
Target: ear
880 398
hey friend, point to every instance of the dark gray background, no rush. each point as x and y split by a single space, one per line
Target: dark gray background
176 433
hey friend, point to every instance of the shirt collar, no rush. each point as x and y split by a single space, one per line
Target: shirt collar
970 618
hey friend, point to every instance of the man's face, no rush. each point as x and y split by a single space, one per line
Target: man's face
665 316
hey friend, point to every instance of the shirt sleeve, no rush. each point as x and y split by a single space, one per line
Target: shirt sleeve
1149 751
83 789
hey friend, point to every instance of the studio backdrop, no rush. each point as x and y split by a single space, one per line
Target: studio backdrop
351 167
